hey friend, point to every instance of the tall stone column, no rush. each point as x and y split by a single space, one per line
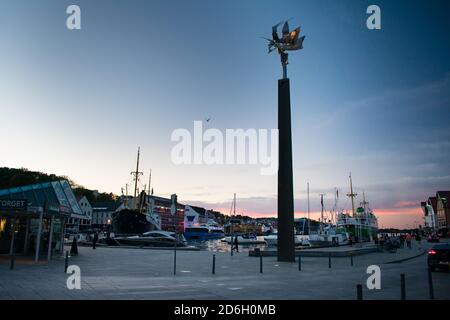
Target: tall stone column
286 244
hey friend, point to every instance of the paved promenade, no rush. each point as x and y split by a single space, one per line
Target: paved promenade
112 273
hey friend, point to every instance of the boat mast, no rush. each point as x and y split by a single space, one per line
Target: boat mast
321 214
136 175
309 221
149 181
364 203
234 202
352 195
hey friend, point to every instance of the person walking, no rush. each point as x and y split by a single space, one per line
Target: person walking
236 246
94 241
408 240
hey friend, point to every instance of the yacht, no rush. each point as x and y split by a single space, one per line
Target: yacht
154 239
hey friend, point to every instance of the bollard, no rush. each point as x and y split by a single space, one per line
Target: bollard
329 260
299 262
260 263
402 287
351 259
359 295
175 261
430 284
13 258
66 262
214 264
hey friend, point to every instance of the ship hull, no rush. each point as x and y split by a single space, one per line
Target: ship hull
130 222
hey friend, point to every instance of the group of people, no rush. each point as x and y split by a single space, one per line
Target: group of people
399 241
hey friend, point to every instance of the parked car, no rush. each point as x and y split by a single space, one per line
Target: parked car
439 256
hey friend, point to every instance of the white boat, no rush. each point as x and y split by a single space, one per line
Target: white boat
328 239
245 239
157 238
300 240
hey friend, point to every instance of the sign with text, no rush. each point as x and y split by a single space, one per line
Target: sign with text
13 205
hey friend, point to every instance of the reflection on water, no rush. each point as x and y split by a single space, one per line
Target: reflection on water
218 245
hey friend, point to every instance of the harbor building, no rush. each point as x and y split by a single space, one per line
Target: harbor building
443 209
160 209
79 222
33 218
102 213
429 208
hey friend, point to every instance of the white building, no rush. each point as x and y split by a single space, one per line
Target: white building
77 220
430 212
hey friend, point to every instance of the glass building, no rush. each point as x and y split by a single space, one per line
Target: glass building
38 230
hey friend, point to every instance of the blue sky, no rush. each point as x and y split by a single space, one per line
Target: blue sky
376 103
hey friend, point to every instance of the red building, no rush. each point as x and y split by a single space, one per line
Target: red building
161 207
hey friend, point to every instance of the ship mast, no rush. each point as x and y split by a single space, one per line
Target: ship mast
136 175
352 195
149 181
364 202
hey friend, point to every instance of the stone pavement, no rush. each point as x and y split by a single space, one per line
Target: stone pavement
111 273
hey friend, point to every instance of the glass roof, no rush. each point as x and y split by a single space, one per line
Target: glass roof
57 196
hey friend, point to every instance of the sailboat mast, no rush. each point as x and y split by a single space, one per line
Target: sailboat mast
309 221
234 209
321 214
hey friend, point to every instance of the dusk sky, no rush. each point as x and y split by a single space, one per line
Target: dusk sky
373 102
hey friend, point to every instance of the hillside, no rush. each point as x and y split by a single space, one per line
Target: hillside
12 177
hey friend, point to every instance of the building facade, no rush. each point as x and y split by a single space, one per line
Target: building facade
38 227
443 209
429 208
102 213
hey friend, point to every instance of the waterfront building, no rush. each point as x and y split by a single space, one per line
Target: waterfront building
102 213
33 218
160 209
443 209
429 208
78 222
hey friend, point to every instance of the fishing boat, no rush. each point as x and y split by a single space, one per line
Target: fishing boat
362 224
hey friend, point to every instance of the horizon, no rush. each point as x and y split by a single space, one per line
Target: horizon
371 102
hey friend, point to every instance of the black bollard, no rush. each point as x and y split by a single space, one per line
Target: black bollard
214 264
351 259
329 260
430 284
299 262
66 265
402 287
260 263
13 258
359 294
175 261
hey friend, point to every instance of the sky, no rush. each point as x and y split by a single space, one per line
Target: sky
375 103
